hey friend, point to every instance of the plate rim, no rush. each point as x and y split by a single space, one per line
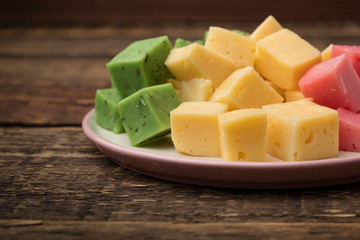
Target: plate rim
191 162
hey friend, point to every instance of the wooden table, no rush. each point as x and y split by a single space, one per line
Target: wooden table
55 183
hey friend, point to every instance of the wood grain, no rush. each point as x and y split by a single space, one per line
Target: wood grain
58 69
49 91
56 184
158 11
163 230
56 173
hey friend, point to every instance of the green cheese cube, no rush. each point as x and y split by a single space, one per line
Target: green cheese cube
241 32
112 83
180 42
146 113
106 112
140 65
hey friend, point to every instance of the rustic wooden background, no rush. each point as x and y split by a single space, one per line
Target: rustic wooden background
55 183
142 11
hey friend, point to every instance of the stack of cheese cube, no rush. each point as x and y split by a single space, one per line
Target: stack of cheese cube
241 98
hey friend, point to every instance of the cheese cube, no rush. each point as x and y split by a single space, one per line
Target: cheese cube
196 89
145 114
106 112
196 61
349 130
243 135
175 83
283 57
240 48
326 53
140 65
194 128
293 95
268 26
350 51
301 130
279 90
245 88
333 83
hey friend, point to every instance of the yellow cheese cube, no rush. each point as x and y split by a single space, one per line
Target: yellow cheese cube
196 61
301 130
293 95
175 83
245 88
279 90
326 53
196 89
194 128
268 26
283 57
240 48
243 135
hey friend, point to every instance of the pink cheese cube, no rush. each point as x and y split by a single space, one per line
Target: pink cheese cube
333 83
349 130
352 52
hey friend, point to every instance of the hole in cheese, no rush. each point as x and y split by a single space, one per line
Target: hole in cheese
241 155
295 155
277 144
310 138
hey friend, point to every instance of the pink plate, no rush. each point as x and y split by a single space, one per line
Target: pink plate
160 160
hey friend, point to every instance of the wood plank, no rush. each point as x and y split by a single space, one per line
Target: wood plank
56 184
62 75
49 91
106 41
158 11
169 230
56 173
